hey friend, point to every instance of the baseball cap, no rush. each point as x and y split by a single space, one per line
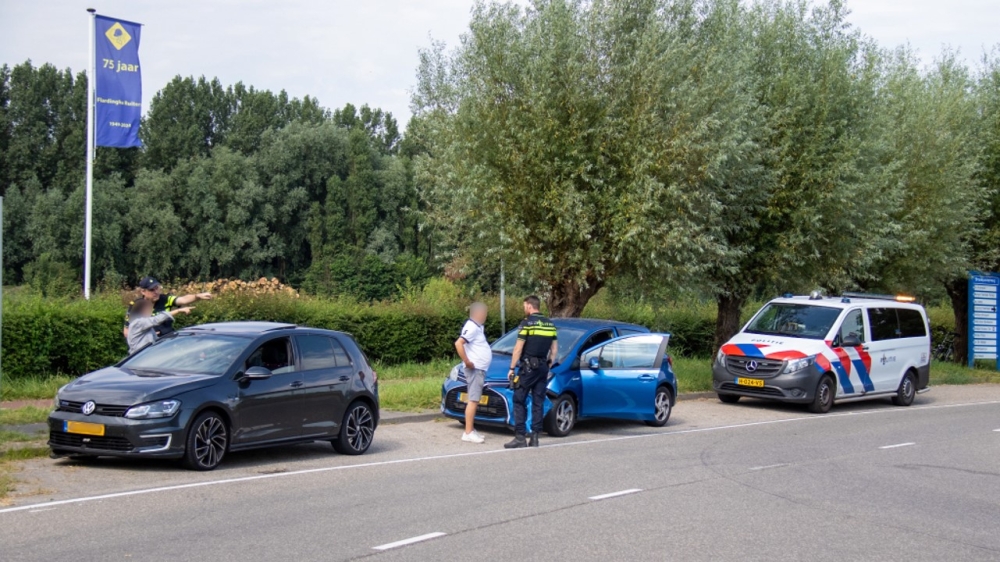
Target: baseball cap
148 283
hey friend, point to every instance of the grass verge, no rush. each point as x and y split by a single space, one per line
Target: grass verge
32 388
15 446
24 416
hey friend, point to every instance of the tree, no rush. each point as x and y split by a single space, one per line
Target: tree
580 139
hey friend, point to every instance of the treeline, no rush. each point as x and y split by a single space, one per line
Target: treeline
733 149
232 182
659 148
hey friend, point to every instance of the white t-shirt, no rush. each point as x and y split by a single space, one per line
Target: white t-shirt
477 349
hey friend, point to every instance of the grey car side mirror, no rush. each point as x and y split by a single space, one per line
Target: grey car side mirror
257 373
594 364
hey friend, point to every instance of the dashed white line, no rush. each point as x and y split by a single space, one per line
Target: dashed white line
896 445
812 419
614 494
769 466
41 510
997 430
408 541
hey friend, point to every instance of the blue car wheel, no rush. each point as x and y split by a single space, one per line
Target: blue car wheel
562 416
662 407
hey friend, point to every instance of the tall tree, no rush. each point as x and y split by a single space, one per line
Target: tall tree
579 137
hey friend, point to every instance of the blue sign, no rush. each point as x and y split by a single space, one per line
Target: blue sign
118 82
983 316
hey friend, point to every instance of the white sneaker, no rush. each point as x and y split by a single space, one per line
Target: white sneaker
473 437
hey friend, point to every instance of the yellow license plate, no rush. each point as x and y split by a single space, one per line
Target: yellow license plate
84 428
750 382
483 400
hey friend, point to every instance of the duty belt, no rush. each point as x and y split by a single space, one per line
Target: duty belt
533 362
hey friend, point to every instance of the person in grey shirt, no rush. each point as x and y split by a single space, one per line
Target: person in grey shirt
142 326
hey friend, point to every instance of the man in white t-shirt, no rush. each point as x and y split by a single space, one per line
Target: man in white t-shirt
476 355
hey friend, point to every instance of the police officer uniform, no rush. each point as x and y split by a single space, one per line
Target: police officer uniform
537 332
165 303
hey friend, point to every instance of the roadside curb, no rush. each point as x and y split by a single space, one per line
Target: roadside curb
695 395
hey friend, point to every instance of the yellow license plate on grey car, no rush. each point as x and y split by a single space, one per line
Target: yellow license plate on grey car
84 428
750 382
463 397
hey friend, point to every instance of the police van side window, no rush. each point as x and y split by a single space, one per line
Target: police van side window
884 324
854 325
911 323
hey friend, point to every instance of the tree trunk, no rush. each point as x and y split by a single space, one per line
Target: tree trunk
727 321
958 290
567 299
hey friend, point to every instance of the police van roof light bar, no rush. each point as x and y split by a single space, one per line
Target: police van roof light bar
897 298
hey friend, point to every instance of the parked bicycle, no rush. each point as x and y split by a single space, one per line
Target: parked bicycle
945 350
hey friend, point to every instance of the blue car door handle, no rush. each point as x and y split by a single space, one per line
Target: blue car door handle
296 384
646 377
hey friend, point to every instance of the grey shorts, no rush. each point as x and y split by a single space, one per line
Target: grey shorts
475 378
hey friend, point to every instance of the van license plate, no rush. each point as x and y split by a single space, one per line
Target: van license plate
483 400
750 382
84 428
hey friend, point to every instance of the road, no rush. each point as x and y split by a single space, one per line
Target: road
721 482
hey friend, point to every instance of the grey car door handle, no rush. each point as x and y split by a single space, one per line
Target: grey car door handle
296 384
344 378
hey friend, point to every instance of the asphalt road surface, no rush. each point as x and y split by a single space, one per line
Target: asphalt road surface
752 481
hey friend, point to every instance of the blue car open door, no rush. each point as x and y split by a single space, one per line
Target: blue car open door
620 377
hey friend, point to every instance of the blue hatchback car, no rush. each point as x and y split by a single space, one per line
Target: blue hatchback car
605 369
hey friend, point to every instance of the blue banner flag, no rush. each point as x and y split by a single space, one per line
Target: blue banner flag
118 82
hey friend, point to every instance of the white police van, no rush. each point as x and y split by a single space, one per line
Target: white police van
819 350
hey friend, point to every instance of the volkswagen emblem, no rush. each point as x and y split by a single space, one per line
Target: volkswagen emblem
751 366
88 407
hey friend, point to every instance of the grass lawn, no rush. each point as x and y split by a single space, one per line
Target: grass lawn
24 416
32 388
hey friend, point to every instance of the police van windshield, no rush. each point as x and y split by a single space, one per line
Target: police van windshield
795 320
567 340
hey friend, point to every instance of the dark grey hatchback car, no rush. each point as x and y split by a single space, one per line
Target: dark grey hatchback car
215 388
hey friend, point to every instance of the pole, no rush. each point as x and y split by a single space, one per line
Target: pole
91 79
503 302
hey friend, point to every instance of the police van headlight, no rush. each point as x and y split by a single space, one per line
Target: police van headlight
798 364
720 358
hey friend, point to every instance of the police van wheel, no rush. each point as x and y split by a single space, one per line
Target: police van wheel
729 398
662 409
562 416
907 390
825 391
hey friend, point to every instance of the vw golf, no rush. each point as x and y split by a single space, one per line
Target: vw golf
215 388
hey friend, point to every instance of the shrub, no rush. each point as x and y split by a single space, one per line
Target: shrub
43 336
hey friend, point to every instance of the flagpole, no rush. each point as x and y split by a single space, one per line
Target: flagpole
91 85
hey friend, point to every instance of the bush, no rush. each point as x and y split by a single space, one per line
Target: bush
43 336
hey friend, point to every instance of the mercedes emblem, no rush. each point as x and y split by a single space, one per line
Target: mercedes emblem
88 408
751 366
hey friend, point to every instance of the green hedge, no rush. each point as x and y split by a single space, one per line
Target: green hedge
45 336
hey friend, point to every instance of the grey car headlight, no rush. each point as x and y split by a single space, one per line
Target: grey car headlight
798 364
153 410
720 358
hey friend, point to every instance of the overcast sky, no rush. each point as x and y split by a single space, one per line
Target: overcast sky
366 51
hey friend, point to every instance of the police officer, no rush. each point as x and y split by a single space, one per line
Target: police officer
534 353
151 290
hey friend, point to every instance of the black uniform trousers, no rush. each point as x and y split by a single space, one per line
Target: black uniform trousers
534 378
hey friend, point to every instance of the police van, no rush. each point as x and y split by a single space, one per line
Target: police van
819 350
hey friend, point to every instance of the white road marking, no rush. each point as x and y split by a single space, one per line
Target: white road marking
411 540
997 430
41 510
143 491
614 494
896 445
769 466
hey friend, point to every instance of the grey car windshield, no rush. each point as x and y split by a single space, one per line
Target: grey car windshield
202 354
796 320
567 340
